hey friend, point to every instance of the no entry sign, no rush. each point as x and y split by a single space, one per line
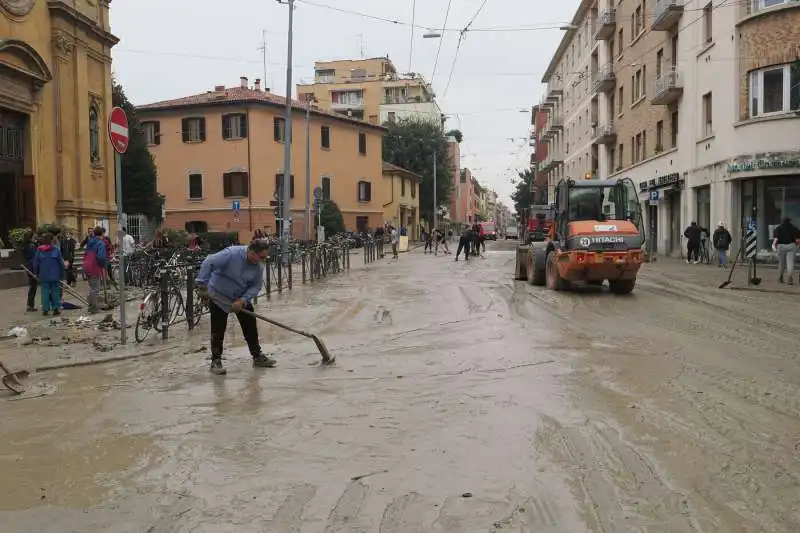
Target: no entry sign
118 130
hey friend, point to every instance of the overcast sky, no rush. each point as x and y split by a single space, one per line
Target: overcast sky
181 47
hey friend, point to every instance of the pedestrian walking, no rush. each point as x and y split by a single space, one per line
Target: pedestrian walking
694 235
94 265
48 265
395 241
109 256
784 241
427 237
232 279
464 243
29 245
721 239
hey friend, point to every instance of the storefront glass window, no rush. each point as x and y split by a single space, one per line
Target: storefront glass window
768 201
703 197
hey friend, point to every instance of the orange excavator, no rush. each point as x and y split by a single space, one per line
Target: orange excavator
597 236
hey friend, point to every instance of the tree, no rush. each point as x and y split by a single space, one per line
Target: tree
139 174
456 134
411 144
331 218
522 194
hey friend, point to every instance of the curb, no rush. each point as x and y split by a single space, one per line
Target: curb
92 362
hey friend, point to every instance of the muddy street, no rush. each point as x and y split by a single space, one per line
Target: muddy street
461 401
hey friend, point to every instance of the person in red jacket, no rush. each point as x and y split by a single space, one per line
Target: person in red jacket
109 255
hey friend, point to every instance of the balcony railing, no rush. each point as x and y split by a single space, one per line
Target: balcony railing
555 88
605 24
354 104
666 14
668 88
555 123
604 79
604 134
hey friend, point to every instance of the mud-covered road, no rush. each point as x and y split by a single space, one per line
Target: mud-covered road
461 402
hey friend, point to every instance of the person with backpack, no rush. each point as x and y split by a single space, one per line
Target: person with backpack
94 266
48 265
722 242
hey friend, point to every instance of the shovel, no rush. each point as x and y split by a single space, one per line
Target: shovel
14 381
327 358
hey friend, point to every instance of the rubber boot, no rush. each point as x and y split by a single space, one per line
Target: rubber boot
216 366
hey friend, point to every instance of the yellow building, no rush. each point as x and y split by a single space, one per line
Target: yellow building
56 164
371 90
401 198
226 146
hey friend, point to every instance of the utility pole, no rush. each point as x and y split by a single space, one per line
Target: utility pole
287 152
435 216
263 50
309 99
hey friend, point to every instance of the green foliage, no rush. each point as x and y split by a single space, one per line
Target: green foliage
51 228
457 134
331 218
139 193
411 144
522 194
218 240
177 238
17 235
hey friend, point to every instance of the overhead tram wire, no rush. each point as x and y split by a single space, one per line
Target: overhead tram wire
441 40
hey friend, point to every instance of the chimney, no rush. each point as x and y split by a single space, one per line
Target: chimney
258 85
243 81
218 88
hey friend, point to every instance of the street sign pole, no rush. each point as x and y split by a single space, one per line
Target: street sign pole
118 135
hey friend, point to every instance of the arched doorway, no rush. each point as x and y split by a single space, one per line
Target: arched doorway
23 74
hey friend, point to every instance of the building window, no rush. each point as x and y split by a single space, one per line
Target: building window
325 136
708 25
413 189
152 132
659 136
193 129
94 133
612 156
620 101
638 81
620 43
279 129
364 191
673 126
638 153
644 145
621 156
392 117
326 76
235 185
234 126
13 144
760 5
362 143
279 185
402 186
659 63
775 90
195 186
708 117
703 203
638 19
326 188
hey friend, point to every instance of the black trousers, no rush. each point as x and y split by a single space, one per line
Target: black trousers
463 244
219 323
32 286
693 251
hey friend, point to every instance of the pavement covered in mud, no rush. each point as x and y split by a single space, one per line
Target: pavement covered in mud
461 401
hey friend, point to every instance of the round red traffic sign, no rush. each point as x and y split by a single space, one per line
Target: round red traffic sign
118 130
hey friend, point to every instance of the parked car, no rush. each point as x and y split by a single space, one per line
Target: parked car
489 231
512 232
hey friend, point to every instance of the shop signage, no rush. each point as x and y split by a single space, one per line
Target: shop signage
762 164
660 182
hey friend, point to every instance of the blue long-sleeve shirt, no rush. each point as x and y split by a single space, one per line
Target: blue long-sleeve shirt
231 276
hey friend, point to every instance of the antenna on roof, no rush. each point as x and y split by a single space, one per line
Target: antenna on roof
362 46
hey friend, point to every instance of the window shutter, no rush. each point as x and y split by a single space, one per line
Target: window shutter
243 125
157 132
202 129
276 129
226 185
278 178
291 186
226 132
246 184
185 129
369 192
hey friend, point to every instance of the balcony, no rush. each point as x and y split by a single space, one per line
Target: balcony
353 105
666 14
604 79
604 134
668 88
555 88
555 124
605 25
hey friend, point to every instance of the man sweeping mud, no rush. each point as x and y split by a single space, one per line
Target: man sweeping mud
231 279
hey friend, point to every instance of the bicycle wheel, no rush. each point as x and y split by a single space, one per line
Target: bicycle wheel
149 318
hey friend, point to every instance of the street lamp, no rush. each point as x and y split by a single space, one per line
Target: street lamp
432 34
568 27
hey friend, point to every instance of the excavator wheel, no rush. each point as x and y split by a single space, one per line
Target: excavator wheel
554 281
536 274
621 286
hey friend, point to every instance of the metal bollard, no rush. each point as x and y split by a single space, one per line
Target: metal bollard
291 261
303 264
280 273
190 297
268 279
164 287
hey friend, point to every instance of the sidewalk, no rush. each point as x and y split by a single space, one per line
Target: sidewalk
674 269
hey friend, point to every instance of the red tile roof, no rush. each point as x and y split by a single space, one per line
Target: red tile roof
239 95
388 167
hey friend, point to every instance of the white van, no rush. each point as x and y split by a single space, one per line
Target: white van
512 232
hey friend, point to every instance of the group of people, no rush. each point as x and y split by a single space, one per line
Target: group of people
50 260
473 241
434 240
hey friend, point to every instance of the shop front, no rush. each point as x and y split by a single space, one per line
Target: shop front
769 191
662 198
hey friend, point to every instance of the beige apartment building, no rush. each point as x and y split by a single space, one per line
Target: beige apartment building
371 90
224 148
